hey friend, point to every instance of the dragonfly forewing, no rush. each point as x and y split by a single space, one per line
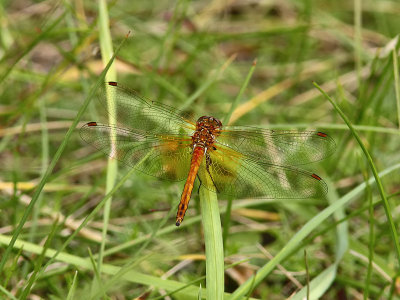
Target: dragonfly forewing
130 110
163 156
287 147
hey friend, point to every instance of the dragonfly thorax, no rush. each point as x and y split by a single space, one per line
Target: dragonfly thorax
207 129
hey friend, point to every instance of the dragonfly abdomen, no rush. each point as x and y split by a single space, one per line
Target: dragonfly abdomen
197 157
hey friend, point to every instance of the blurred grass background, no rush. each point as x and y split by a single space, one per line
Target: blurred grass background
196 55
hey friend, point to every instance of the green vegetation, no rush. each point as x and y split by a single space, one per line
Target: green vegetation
77 226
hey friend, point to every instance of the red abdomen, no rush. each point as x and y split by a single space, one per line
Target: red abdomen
197 157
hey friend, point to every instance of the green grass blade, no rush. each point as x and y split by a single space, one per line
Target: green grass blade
396 82
39 262
106 48
7 293
358 38
213 77
89 217
199 295
323 281
214 246
374 172
240 94
97 278
307 287
318 285
32 45
44 164
131 276
71 292
53 163
371 241
227 221
201 278
235 103
136 259
303 233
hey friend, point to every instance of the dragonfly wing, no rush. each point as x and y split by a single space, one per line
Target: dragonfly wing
166 157
134 111
288 147
234 174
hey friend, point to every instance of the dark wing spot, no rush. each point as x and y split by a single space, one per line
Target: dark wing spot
316 176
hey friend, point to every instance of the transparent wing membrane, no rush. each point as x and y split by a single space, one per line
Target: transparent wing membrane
241 176
278 147
134 111
166 157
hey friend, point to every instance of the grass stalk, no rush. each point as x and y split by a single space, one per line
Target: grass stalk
373 169
227 218
166 284
132 276
212 78
42 36
371 241
53 163
214 246
72 288
358 38
4 291
38 263
88 218
227 119
396 82
307 275
44 164
136 259
106 48
298 238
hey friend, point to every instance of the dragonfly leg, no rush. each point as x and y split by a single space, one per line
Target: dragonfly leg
208 164
198 190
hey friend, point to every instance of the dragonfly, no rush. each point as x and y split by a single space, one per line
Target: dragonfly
240 161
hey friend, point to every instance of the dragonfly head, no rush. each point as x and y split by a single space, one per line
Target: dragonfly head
209 122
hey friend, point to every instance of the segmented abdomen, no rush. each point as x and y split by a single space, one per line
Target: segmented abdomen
197 157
